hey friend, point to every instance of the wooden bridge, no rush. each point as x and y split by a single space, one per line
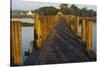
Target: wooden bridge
57 39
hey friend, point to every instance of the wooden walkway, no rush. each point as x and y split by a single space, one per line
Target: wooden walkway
62 46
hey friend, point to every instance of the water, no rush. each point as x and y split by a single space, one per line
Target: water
94 38
29 20
27 36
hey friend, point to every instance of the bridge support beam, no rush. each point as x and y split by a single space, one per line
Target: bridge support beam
37 31
83 30
89 34
16 43
77 25
45 28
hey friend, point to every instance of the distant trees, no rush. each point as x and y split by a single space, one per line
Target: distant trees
47 10
64 8
74 10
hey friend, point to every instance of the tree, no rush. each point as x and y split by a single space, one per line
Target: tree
64 8
75 10
48 10
84 12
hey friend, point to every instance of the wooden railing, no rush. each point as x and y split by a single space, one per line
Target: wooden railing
86 25
42 27
16 41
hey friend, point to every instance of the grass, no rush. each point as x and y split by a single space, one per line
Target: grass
27 24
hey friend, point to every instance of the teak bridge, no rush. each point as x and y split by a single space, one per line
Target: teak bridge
57 39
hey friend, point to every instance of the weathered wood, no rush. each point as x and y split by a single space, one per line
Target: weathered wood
37 30
62 46
73 23
45 25
89 35
83 30
77 25
16 43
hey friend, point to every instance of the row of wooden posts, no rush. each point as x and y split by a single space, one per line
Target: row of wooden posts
46 23
42 27
86 25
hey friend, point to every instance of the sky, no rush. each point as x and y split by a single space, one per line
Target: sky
32 5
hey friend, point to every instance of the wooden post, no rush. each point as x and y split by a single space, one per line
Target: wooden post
37 31
83 30
47 25
77 25
42 27
50 22
45 29
71 23
67 19
16 43
89 35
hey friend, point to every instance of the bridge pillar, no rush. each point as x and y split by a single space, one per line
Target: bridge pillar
47 24
71 23
77 24
42 27
16 43
37 31
83 30
68 19
45 29
89 34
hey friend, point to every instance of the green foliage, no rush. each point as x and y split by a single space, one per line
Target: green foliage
64 9
25 24
74 10
47 11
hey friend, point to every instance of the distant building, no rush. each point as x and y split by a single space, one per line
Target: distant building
59 13
29 13
21 13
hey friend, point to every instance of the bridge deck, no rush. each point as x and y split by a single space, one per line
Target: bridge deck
62 46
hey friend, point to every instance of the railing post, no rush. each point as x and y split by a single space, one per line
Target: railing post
83 29
45 29
71 23
37 31
42 27
77 25
89 34
16 43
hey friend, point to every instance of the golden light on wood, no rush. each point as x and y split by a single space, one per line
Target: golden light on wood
16 43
